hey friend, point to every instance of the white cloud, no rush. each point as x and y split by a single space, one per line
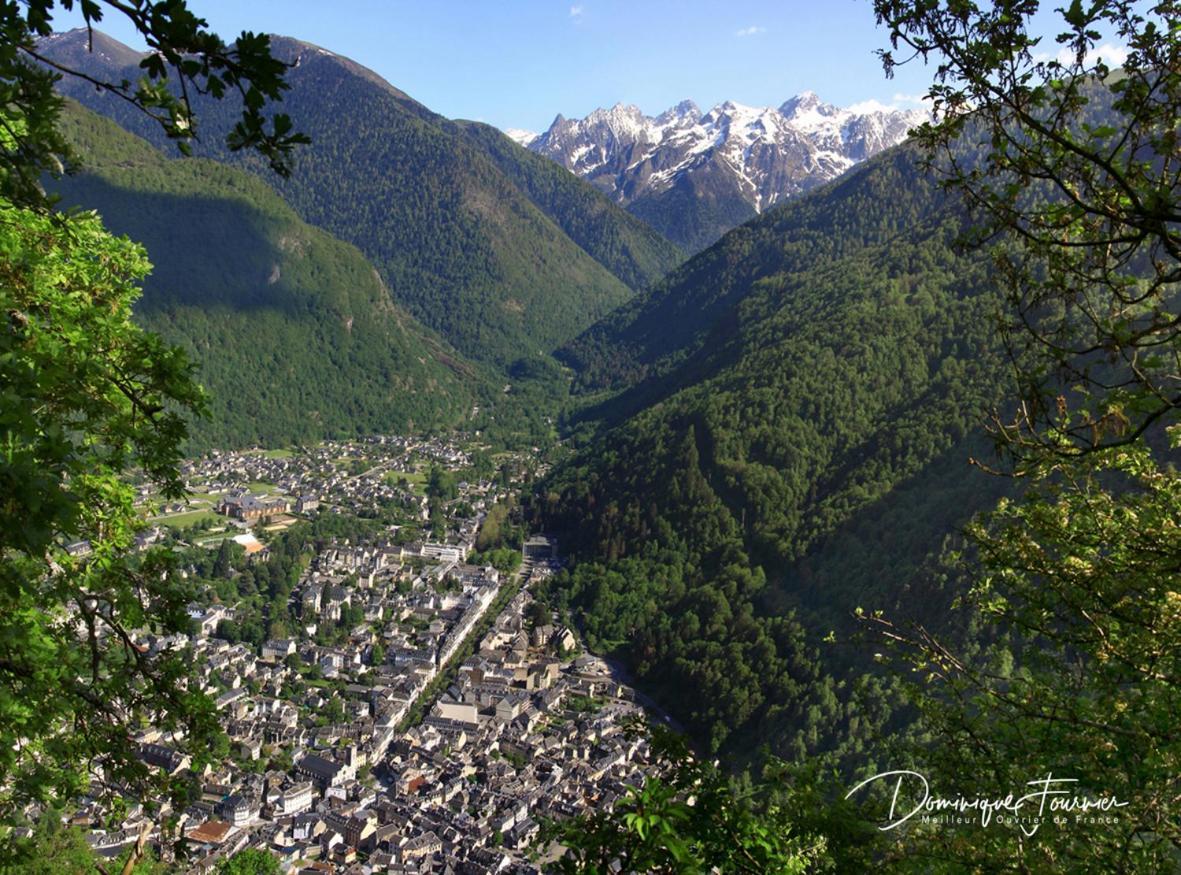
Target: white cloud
869 106
898 102
750 31
576 12
901 99
1109 53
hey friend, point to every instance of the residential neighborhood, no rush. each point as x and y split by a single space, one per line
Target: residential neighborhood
395 698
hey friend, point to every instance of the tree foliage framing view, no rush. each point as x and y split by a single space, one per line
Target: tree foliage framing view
184 59
1077 180
1074 186
87 401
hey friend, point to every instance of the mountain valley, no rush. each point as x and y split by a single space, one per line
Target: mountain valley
386 489
459 241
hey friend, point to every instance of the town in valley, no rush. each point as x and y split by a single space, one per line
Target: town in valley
394 696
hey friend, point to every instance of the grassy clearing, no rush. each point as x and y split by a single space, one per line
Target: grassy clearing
186 519
201 493
277 454
214 540
416 479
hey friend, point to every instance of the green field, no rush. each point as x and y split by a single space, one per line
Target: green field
277 454
213 540
183 520
416 479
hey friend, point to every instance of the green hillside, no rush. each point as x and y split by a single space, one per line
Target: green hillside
623 244
466 230
294 332
780 435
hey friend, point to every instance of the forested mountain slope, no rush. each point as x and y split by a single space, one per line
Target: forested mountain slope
462 226
295 335
788 440
876 204
626 246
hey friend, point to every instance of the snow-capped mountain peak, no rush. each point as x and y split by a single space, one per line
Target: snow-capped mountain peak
757 155
623 120
686 109
804 102
521 136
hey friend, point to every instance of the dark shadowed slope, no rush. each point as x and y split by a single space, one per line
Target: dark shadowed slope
294 333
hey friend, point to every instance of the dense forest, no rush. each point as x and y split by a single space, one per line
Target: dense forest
777 435
624 245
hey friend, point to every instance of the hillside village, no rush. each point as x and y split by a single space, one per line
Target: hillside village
421 712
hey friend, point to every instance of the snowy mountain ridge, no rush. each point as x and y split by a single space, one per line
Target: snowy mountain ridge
759 155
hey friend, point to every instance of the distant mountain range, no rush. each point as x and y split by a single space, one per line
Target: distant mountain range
485 242
694 175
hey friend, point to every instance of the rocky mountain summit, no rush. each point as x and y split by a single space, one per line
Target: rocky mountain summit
723 166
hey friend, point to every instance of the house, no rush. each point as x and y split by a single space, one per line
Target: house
238 809
540 548
148 537
205 620
307 827
325 773
564 639
249 508
361 830
229 697
165 758
210 833
523 834
510 706
444 552
78 549
296 798
251 748
420 847
458 712
278 649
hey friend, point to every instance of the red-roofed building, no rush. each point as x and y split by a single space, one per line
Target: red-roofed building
211 832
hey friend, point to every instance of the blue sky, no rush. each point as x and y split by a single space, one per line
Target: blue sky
517 63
